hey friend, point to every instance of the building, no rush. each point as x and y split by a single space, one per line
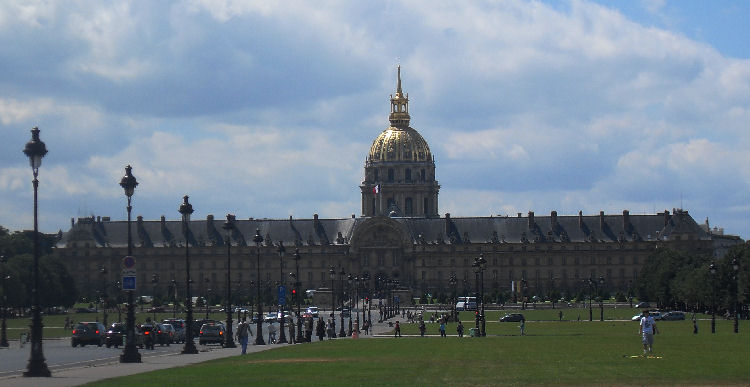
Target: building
400 236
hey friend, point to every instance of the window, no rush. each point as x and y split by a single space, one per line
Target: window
425 206
366 261
407 174
377 175
422 175
391 174
408 207
424 275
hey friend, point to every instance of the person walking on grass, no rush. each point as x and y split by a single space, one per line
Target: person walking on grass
647 331
460 329
397 332
320 329
243 333
442 328
523 326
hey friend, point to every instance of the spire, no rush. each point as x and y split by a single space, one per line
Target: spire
399 106
398 85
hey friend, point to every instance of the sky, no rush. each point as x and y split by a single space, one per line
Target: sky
269 109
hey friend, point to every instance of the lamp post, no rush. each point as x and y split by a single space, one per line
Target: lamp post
118 287
601 298
103 272
174 298
37 366
452 280
476 267
630 292
207 295
186 209
712 271
282 335
736 271
482 266
349 279
228 226
259 325
3 330
368 298
130 352
297 285
341 314
332 274
155 282
590 282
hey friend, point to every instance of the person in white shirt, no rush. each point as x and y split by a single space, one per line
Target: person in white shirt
647 331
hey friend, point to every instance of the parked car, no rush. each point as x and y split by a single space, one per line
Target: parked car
643 304
512 317
116 332
313 310
673 315
211 333
88 333
271 317
179 329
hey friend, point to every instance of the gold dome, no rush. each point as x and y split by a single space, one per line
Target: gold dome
400 144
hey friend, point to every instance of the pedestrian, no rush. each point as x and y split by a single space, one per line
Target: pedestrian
460 329
366 327
292 337
271 333
331 328
355 330
647 331
308 329
523 326
397 332
422 327
560 315
442 328
695 325
320 329
243 333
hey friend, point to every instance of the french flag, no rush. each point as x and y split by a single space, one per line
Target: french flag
376 189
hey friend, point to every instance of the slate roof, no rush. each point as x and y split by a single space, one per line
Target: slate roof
461 230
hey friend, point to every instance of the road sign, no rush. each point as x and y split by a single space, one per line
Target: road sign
128 262
128 282
282 295
128 272
397 299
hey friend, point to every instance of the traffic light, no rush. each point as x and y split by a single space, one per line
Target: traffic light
294 292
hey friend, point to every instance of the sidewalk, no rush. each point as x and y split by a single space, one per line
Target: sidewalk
87 374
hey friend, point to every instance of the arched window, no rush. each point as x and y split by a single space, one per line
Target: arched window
408 206
407 174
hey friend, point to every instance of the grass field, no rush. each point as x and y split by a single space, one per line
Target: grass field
567 353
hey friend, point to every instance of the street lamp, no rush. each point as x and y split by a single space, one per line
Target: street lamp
297 285
341 315
37 366
349 280
332 274
482 266
229 227
590 282
174 298
452 280
281 250
208 295
630 292
477 269
736 271
3 330
186 209
130 352
712 271
259 327
154 281
103 271
601 298
368 298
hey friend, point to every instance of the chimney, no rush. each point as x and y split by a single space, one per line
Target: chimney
72 222
519 214
625 219
140 219
580 219
315 217
553 219
163 219
447 215
531 220
98 219
210 218
601 220
666 217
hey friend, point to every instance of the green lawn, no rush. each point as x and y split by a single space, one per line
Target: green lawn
569 353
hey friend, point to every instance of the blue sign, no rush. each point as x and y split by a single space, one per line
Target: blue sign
282 295
396 298
128 283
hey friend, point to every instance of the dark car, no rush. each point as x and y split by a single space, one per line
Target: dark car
88 333
116 333
512 317
643 304
179 329
211 333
